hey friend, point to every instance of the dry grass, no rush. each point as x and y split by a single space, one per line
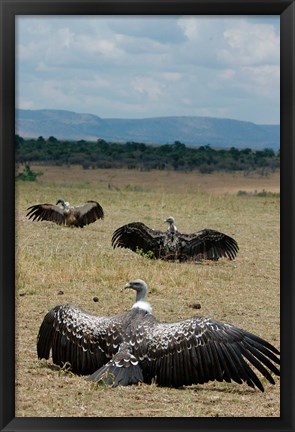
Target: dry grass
58 265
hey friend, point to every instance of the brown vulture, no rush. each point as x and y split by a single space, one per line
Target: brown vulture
135 347
63 214
174 245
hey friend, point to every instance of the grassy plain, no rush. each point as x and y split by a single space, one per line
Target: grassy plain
59 265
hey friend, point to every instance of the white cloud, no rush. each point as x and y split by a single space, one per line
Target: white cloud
189 26
103 47
227 74
250 43
27 105
67 37
147 86
151 66
171 76
43 67
264 78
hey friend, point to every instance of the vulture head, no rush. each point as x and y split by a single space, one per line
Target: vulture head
172 227
63 203
141 289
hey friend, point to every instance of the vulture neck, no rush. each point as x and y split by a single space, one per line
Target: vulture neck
141 293
172 228
139 300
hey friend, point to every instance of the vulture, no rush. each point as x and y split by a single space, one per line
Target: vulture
135 347
173 245
63 214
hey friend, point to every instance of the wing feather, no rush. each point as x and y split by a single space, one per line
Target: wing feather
88 213
199 350
215 361
207 244
258 360
85 341
48 212
137 236
222 360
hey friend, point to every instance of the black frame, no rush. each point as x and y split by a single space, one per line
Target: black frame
11 8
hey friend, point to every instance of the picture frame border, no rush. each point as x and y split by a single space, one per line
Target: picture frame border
9 10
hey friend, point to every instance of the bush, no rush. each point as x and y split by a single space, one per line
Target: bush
28 174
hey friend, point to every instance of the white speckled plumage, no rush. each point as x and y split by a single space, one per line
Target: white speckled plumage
134 347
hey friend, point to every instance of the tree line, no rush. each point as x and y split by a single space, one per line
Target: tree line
134 155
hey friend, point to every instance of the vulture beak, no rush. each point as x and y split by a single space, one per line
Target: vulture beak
126 286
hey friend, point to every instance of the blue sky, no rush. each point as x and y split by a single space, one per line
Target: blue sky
139 67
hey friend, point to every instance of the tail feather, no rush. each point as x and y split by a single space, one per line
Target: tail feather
122 370
45 336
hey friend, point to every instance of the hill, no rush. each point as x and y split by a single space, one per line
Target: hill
193 131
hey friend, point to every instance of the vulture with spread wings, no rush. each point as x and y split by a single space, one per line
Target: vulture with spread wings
63 214
206 244
135 347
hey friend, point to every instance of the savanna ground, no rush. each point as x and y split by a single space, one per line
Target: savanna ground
59 265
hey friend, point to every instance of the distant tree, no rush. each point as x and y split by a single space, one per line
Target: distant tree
179 146
246 151
176 156
234 153
52 139
206 169
102 145
19 140
268 152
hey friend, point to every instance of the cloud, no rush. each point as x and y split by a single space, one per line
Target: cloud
227 74
171 76
264 78
147 86
161 29
190 27
150 66
250 43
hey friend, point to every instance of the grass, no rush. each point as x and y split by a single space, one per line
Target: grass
57 265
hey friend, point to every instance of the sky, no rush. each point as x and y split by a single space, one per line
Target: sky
153 66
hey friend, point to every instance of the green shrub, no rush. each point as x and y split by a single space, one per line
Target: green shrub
28 174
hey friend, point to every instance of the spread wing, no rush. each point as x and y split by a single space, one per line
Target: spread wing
207 244
138 237
88 213
76 337
199 350
48 212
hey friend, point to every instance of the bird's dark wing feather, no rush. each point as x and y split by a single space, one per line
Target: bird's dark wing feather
48 212
88 213
138 237
83 340
199 350
207 244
